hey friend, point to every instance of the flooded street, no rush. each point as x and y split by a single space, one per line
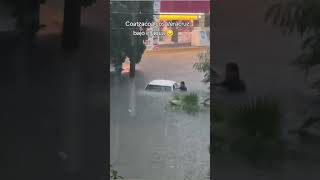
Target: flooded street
148 139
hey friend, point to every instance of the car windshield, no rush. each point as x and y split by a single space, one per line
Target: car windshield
154 87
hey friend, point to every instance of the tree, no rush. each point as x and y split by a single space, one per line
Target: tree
123 44
203 65
27 15
301 16
72 22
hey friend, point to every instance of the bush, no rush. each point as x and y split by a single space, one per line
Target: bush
114 174
253 129
203 65
188 103
260 117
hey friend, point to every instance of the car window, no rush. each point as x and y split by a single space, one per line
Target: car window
167 88
154 88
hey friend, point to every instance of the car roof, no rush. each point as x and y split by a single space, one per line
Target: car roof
162 82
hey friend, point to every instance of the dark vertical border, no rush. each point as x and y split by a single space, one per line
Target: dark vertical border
97 142
212 29
107 75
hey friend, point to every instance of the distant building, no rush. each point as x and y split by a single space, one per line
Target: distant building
195 13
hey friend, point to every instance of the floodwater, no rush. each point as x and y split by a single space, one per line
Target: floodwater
151 141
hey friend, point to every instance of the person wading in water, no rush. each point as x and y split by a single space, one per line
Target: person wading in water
183 86
232 81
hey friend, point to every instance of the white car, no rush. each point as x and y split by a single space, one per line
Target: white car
162 86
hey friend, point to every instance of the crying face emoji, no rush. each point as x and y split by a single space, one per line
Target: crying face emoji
169 33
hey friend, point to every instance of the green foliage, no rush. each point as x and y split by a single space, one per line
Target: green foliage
252 130
188 103
203 65
114 174
122 42
300 16
260 118
260 123
295 15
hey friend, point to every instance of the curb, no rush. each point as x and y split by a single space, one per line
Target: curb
176 49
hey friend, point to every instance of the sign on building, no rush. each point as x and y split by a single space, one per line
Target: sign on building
153 41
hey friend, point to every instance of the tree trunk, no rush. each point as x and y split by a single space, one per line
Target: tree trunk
27 24
132 68
134 45
71 24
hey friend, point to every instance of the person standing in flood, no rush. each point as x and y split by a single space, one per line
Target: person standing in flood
183 86
232 81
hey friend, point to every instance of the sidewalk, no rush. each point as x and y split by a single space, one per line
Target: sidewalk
176 49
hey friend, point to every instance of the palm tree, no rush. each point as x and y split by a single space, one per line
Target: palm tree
301 16
203 66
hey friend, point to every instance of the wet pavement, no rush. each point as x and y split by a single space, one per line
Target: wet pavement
148 139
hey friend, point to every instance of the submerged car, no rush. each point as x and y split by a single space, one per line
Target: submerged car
162 86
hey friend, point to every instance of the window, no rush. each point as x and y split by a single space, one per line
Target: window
167 88
154 88
196 23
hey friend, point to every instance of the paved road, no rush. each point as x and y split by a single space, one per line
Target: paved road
157 143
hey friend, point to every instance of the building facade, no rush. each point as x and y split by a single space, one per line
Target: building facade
192 14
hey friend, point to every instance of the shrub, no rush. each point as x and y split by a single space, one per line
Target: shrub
188 103
259 122
252 130
203 65
114 174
